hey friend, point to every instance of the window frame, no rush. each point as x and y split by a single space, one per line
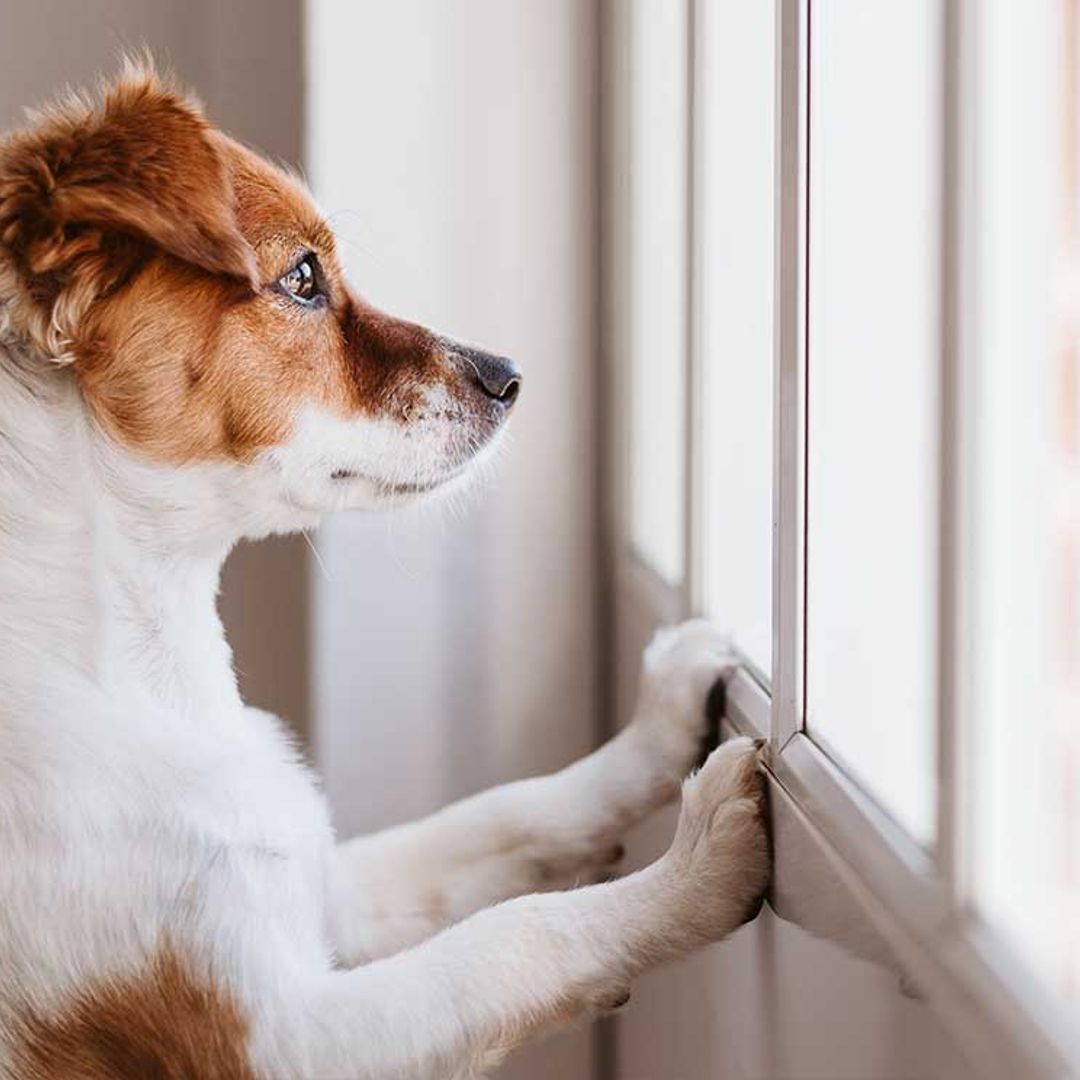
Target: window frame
916 898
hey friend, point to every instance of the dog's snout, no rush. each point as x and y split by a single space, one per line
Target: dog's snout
496 376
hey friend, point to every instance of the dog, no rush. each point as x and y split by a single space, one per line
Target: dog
182 365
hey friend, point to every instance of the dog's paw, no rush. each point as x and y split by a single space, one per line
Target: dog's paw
679 668
720 859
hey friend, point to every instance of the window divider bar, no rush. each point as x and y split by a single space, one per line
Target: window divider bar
694 561
951 483
789 226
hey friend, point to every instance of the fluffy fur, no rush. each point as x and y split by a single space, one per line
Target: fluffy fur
172 900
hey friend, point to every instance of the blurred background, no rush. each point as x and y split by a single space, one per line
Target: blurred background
795 287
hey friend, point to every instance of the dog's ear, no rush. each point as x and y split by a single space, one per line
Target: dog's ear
87 188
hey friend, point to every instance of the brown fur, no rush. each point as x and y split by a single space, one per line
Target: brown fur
143 246
87 190
161 1024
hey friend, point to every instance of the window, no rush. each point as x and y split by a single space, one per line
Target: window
701 212
871 452
873 362
734 242
1025 544
658 142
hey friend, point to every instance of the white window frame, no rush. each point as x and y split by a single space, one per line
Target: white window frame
1001 1016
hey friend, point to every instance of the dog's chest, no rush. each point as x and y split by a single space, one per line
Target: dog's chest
252 795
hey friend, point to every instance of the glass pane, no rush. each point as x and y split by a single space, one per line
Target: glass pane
658 185
737 52
1025 709
873 397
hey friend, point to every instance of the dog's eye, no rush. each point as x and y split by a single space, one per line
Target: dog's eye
301 281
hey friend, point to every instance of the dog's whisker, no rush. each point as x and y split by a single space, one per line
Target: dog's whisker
327 576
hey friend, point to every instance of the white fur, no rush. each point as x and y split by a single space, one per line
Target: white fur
431 449
141 800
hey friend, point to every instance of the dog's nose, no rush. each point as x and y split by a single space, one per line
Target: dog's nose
495 375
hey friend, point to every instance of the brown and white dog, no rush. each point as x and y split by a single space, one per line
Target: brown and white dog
182 364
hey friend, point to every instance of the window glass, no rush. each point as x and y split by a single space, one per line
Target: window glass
873 378
658 190
1024 726
736 51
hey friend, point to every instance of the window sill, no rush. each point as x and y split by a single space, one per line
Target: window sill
867 885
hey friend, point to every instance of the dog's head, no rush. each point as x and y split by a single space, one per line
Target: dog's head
197 295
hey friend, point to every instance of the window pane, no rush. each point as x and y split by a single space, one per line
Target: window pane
873 396
1025 709
658 186
737 53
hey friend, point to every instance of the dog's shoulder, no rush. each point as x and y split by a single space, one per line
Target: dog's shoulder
110 769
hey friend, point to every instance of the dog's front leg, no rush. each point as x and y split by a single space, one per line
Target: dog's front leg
398 887
455 1004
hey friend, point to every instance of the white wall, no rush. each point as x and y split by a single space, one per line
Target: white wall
452 146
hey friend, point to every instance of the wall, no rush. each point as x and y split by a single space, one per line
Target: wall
452 146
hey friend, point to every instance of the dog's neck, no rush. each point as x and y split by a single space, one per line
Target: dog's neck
108 567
